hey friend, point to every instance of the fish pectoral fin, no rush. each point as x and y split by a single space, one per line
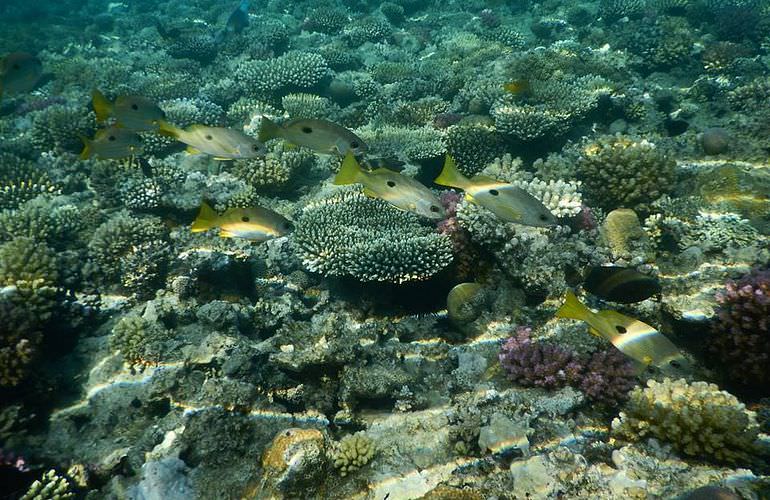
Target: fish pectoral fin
594 331
224 233
469 198
368 192
191 150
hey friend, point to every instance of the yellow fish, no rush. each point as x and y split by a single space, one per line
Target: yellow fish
129 111
399 190
219 142
255 223
19 72
635 339
322 136
506 201
517 87
112 143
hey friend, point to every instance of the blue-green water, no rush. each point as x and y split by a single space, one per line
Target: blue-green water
386 250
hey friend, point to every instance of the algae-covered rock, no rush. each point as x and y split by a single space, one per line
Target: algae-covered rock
294 462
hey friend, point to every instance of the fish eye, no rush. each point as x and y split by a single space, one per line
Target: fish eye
245 218
543 217
255 147
288 226
434 208
16 66
208 137
111 138
354 144
307 130
494 192
391 184
135 107
620 329
675 363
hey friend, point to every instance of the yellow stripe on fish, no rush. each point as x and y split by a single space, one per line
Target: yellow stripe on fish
322 136
632 337
255 223
397 189
219 142
508 202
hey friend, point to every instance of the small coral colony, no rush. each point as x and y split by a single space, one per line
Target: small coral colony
274 233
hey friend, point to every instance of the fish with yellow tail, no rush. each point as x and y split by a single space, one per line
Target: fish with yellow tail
397 189
322 136
256 223
508 202
112 143
637 340
219 142
129 111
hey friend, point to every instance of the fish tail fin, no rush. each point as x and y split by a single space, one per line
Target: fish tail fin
268 130
102 106
87 150
349 171
450 176
205 220
573 308
167 129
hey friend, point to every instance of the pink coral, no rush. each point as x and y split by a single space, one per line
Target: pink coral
739 335
606 376
464 252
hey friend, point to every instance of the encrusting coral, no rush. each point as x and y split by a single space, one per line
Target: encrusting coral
697 419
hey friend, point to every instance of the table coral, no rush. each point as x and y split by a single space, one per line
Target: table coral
349 234
697 419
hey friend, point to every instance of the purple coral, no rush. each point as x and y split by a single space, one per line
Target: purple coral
740 338
606 377
13 461
534 364
465 256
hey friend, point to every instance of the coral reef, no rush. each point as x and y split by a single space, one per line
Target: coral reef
353 452
697 419
349 234
740 338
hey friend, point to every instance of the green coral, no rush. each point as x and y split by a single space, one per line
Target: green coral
349 234
118 238
401 142
292 71
60 127
276 171
50 486
553 106
473 146
21 180
353 452
302 105
25 260
139 341
612 10
698 419
616 171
